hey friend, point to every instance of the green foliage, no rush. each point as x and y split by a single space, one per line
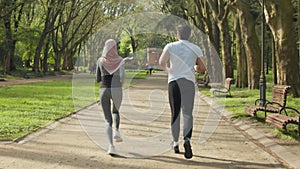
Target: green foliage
144 41
152 40
125 47
290 134
27 42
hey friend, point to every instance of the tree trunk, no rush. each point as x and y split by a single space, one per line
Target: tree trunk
9 44
242 67
133 44
70 63
57 64
65 60
68 59
250 41
48 25
37 55
212 44
298 19
45 59
274 66
279 16
216 37
226 48
220 11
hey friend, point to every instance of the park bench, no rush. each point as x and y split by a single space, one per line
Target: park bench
281 121
277 105
203 81
223 90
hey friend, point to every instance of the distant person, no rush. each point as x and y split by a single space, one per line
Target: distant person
150 69
182 55
110 70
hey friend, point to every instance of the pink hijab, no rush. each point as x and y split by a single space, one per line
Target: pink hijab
110 58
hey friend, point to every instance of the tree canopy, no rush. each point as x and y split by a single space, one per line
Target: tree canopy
48 35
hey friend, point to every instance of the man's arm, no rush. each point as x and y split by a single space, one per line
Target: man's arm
163 60
200 65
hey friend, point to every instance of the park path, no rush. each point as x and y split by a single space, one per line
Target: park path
79 142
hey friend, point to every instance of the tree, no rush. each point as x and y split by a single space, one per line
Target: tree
279 16
220 11
242 67
75 23
52 10
199 13
11 17
247 20
203 20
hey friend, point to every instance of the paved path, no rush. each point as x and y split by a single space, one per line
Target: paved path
79 141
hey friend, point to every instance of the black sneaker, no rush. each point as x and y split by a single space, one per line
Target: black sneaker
176 149
188 150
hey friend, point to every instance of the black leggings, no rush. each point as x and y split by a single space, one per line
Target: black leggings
181 97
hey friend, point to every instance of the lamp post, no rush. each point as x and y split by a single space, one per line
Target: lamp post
262 79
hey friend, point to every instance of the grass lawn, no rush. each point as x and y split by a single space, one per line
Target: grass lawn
25 108
244 97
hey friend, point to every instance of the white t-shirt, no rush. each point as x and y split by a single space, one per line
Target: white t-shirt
183 56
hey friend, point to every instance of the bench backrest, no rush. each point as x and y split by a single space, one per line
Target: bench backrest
279 94
228 82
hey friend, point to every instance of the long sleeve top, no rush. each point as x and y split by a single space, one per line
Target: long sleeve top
114 80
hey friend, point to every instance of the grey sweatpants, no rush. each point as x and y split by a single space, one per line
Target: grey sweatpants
181 98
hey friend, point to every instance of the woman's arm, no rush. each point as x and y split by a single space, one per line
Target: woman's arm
122 74
98 73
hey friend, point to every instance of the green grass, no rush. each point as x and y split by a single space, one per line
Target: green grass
136 74
26 73
26 108
244 97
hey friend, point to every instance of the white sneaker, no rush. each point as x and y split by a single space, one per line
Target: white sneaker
117 136
174 143
175 146
111 150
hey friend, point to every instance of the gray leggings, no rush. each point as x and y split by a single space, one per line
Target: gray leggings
106 96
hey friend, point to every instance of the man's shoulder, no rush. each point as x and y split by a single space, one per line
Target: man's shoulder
193 44
173 43
170 45
196 49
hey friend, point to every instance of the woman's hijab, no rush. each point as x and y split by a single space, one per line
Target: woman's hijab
110 59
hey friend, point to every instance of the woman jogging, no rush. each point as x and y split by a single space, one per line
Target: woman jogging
110 70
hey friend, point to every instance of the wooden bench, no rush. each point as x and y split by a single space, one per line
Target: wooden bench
281 121
223 90
203 81
277 105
